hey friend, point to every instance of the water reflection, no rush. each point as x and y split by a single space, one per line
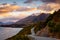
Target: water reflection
8 32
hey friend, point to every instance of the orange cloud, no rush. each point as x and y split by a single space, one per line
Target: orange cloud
50 7
26 9
8 8
13 7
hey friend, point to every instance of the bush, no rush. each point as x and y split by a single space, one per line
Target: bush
54 28
38 26
21 37
51 24
58 27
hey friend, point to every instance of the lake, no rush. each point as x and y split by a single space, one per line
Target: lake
6 32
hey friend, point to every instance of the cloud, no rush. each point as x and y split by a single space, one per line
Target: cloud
49 7
4 8
26 9
51 1
46 1
14 16
28 1
8 8
9 19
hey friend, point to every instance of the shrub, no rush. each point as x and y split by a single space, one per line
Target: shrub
51 24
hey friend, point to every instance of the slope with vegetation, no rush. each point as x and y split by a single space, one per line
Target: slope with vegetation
54 24
26 31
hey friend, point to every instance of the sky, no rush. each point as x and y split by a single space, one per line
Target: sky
14 10
21 2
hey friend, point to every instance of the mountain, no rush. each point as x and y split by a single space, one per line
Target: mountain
42 17
30 19
8 23
26 20
1 23
52 28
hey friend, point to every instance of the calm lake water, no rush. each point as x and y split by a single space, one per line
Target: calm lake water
6 32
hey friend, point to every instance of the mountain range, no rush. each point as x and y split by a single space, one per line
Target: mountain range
28 20
32 18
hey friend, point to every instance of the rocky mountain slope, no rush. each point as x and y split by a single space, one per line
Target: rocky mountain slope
52 28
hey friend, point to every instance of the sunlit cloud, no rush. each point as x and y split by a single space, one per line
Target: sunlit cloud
47 6
51 7
13 13
8 8
45 1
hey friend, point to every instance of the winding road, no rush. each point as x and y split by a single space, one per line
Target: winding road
34 37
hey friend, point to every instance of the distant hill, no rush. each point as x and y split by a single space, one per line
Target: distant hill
7 24
1 23
28 20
